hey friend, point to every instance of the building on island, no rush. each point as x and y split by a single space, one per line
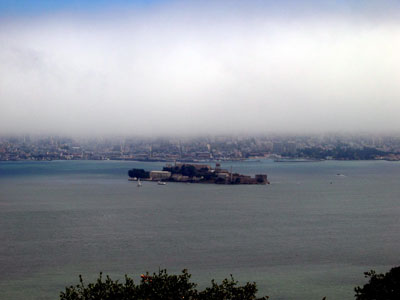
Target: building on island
159 175
197 173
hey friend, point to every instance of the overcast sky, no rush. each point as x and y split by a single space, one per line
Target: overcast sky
199 67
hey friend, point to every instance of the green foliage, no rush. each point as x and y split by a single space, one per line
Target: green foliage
380 286
229 290
188 170
185 170
172 169
209 176
138 173
159 286
107 289
340 153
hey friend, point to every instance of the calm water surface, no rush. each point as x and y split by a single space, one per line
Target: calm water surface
309 234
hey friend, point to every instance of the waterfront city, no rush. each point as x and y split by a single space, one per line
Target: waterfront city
200 149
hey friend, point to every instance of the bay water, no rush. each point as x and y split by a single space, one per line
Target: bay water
311 233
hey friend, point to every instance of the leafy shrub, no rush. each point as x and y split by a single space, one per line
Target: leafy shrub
159 286
380 286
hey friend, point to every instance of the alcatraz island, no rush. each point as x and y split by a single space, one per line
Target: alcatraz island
196 173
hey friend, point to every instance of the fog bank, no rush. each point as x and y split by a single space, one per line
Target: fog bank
196 69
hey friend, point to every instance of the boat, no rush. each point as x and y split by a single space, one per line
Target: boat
161 183
139 183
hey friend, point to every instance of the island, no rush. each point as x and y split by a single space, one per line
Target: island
196 173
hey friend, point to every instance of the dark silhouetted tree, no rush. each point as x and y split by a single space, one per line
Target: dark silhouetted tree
138 173
380 286
159 286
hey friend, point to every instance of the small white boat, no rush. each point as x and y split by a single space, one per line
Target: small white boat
161 183
139 183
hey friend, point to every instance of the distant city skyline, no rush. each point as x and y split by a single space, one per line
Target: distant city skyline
198 149
199 67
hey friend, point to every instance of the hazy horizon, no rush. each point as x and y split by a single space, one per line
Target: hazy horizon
289 136
199 68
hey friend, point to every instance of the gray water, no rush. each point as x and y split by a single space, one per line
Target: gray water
309 234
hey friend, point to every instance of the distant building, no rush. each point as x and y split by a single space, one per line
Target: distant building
180 178
269 146
290 147
160 175
203 155
223 175
278 148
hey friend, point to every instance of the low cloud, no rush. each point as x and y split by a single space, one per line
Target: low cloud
181 70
